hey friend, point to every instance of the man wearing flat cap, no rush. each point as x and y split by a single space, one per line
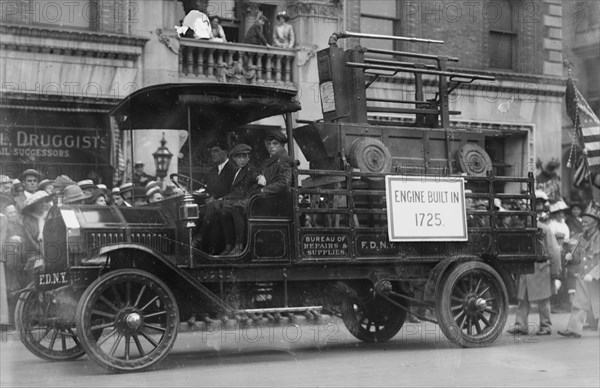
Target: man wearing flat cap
233 210
276 171
140 178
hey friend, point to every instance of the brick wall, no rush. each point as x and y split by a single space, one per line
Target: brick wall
464 27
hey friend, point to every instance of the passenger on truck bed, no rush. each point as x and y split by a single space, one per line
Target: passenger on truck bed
276 171
233 211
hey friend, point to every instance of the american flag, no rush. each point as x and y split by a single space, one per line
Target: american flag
586 128
117 157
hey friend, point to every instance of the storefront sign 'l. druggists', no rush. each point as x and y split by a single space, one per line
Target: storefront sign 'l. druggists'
52 145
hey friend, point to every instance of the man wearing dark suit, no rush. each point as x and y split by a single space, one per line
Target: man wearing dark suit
233 211
218 184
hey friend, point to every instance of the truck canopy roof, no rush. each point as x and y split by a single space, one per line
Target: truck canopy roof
220 105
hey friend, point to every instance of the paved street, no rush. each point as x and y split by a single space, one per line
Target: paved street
289 355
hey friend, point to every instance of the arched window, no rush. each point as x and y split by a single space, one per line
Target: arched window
502 38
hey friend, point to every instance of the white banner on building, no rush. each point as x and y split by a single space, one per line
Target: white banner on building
421 208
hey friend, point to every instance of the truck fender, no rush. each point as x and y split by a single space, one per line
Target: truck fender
124 255
437 274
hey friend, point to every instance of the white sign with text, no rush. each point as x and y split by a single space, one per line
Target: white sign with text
422 208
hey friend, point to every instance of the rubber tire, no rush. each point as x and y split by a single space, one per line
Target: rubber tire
28 339
370 155
446 321
88 341
396 316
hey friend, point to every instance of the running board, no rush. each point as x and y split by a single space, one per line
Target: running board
279 310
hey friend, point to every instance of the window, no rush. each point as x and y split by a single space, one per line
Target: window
379 17
502 36
95 15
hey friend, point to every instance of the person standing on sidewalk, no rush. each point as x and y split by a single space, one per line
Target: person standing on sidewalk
587 254
536 287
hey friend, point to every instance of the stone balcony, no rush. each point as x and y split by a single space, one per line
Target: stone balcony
206 61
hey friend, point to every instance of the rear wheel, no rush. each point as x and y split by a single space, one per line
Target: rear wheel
472 305
137 316
372 319
42 331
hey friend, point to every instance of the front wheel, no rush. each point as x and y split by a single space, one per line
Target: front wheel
472 305
137 318
41 329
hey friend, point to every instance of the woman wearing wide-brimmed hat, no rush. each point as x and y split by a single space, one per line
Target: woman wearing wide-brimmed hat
283 33
74 195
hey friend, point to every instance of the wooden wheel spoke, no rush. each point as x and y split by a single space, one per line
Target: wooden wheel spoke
155 314
477 285
457 316
53 339
75 339
477 327
462 323
456 307
491 311
154 327
149 303
485 321
116 294
101 326
103 340
484 291
109 303
63 341
128 293
138 345
113 349
103 314
127 346
469 327
149 339
471 282
139 297
456 299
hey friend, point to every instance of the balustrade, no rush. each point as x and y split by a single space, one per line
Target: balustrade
237 63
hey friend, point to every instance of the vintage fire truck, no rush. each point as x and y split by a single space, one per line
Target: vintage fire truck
382 224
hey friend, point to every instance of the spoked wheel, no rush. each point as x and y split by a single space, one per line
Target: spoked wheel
41 330
472 305
372 320
137 316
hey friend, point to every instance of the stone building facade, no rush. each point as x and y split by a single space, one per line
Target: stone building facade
64 64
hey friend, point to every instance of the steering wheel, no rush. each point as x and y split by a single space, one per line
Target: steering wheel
186 181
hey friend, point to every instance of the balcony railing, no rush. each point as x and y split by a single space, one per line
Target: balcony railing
237 63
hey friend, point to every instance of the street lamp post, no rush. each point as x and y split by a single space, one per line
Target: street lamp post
162 159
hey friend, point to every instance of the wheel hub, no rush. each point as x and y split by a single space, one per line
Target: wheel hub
474 304
133 321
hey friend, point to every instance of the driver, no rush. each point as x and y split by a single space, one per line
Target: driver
218 184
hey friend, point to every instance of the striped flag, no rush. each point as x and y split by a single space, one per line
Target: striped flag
117 158
587 130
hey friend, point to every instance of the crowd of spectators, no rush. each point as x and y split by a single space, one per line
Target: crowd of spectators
24 205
